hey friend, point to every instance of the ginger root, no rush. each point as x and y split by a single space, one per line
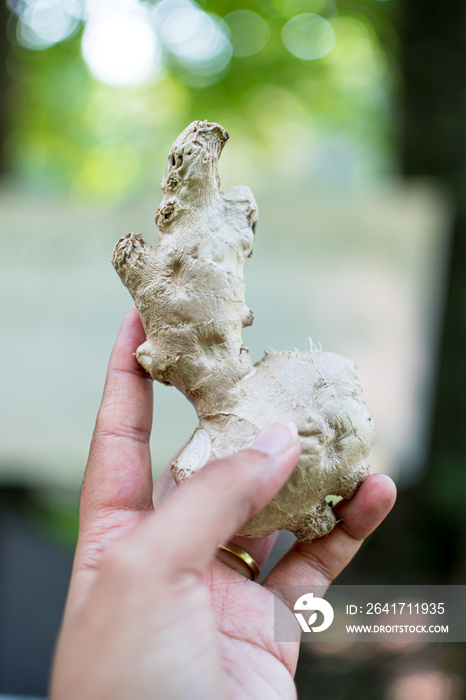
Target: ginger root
190 295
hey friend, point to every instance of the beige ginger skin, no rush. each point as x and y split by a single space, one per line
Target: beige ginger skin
190 295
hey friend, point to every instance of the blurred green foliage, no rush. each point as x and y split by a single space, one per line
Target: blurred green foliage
70 131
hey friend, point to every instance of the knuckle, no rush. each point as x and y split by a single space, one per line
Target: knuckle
122 432
121 561
316 563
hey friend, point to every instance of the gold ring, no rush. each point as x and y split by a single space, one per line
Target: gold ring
251 564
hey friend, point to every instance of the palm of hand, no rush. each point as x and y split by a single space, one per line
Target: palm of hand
148 603
222 619
255 665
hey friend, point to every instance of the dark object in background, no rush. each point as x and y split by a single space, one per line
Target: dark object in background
34 575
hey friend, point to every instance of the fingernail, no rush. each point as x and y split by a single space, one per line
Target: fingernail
275 439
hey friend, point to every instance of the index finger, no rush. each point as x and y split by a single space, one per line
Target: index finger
117 487
118 473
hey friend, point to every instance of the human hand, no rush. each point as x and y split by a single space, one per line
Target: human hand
151 612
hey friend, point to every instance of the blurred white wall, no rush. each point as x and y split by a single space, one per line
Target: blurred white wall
361 276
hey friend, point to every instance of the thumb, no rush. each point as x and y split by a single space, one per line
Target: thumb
214 504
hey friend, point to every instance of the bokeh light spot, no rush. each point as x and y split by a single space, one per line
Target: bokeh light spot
249 32
120 47
426 685
43 23
196 39
356 55
308 36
